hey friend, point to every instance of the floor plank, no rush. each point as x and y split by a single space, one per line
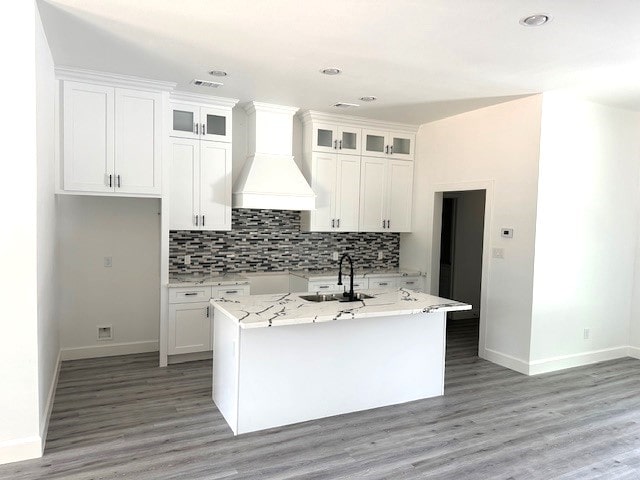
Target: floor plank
123 417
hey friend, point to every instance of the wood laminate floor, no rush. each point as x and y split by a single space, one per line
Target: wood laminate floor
125 418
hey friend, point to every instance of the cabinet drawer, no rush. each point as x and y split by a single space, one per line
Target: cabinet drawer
230 290
325 287
189 294
383 282
412 283
358 284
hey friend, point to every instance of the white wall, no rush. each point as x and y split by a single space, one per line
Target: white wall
126 295
499 146
19 398
586 231
467 265
48 341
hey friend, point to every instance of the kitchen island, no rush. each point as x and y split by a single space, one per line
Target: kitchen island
282 359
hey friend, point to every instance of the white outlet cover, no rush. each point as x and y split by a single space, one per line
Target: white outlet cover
380 255
187 259
108 261
335 256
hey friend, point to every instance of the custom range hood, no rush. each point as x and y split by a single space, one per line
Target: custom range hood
270 178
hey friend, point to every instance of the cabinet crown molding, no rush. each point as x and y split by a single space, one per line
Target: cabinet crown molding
322 117
252 107
200 99
112 79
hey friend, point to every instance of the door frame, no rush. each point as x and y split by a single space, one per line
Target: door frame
433 279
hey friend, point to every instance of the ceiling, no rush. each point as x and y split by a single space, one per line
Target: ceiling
423 59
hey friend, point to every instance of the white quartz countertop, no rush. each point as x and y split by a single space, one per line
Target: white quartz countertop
254 311
207 280
359 273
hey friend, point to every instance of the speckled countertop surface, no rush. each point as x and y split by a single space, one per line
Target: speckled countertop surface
254 311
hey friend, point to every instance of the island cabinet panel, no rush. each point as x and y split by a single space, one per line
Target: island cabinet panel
268 377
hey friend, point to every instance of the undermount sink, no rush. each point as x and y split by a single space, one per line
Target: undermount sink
332 297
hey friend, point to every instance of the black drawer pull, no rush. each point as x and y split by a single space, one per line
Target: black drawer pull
190 294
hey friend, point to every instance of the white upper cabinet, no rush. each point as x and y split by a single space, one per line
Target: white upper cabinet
342 139
385 195
335 179
380 143
111 134
138 142
359 171
200 122
200 196
88 137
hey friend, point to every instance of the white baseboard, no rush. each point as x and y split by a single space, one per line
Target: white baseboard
505 360
109 350
577 360
20 449
189 357
633 352
44 422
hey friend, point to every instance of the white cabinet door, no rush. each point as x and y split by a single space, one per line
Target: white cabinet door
375 143
398 195
347 193
324 173
184 195
215 186
184 120
349 142
88 144
372 194
189 328
325 138
215 124
401 145
138 140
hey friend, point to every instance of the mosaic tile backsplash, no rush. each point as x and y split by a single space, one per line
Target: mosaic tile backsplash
271 241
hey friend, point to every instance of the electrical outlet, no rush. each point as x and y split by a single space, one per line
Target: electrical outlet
380 255
187 259
108 261
335 256
586 333
498 253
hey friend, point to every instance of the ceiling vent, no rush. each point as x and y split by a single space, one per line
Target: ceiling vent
345 105
206 83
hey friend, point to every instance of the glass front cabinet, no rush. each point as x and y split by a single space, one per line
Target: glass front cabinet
377 143
200 123
336 139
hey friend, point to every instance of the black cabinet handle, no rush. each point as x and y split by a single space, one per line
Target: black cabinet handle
119 184
335 144
197 219
197 127
387 148
203 220
207 312
204 131
340 144
110 178
338 223
333 223
190 294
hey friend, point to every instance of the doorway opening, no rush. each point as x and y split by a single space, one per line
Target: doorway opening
461 267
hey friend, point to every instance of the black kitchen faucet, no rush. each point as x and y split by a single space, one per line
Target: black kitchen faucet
351 295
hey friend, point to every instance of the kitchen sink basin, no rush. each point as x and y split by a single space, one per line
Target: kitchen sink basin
333 297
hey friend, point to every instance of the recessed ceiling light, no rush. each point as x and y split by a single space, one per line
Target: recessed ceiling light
218 73
331 71
345 105
535 20
206 83
368 98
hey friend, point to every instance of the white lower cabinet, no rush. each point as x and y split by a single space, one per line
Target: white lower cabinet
189 328
191 315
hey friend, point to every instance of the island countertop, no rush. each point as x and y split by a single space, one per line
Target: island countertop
255 311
